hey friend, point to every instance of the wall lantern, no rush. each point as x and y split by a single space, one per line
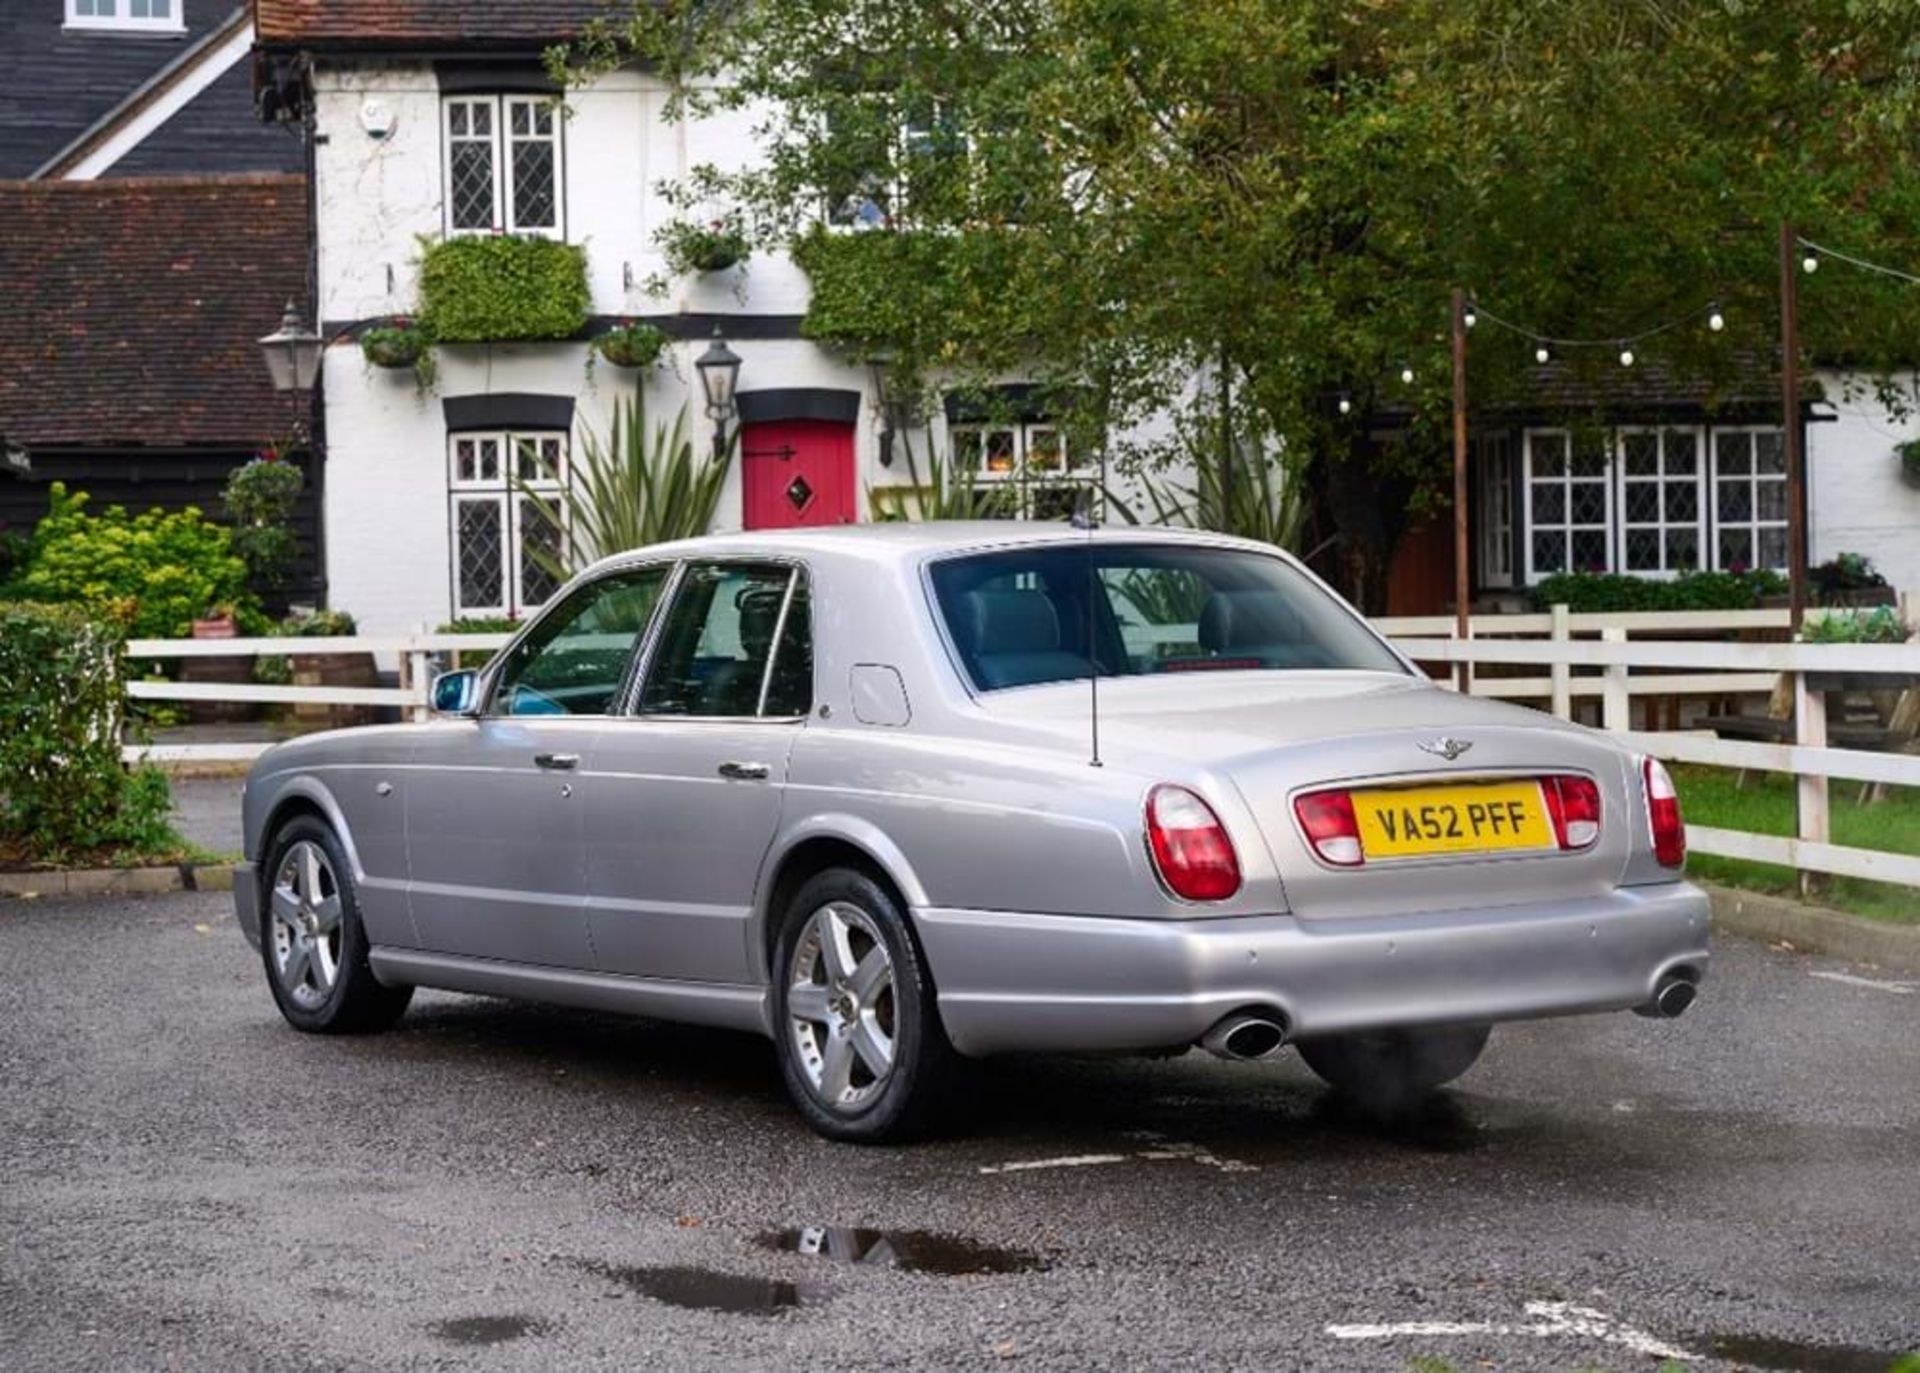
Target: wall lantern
719 369
292 353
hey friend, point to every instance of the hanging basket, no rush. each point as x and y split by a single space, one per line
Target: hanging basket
395 347
631 345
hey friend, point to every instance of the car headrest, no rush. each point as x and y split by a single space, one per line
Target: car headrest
1245 619
1011 622
759 615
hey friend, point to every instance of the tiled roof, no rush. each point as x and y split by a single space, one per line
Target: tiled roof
405 23
133 307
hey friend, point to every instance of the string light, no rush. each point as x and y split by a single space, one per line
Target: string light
1824 251
1346 405
1543 355
1626 357
1811 263
1406 375
1471 318
1716 321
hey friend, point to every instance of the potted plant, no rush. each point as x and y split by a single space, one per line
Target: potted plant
1881 625
400 345
1850 580
218 622
329 670
715 246
631 344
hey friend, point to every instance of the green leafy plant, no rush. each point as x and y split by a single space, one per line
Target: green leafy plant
157 572
1909 455
63 788
320 624
641 485
1258 500
631 344
713 246
260 497
485 289
477 624
1587 593
399 346
1843 576
1881 625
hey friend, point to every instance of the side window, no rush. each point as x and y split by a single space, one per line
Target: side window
790 685
718 644
573 661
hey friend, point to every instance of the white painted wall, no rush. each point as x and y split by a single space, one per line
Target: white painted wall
1858 501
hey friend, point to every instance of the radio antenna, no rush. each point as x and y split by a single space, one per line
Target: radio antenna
1083 518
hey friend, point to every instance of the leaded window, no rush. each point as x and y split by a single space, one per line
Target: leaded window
503 165
1024 471
1750 499
501 490
1569 504
1659 500
163 15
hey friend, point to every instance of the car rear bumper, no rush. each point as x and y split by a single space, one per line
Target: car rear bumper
1011 982
246 901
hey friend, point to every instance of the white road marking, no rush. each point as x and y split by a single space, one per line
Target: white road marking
1897 988
1164 1152
1035 1164
1552 1319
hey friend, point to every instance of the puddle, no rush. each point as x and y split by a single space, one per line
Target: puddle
1789 1357
478 1330
702 1289
909 1251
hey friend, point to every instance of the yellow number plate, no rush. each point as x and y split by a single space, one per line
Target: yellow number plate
1408 822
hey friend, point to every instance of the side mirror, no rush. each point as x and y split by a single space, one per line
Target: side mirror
456 693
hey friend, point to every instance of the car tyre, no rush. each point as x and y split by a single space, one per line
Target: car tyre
862 1050
312 940
1394 1068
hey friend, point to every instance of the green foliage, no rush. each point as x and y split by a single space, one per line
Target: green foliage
157 571
1587 593
1843 576
638 486
1256 497
1881 625
320 624
493 288
13 554
481 624
1117 193
713 246
631 344
1909 455
260 498
63 789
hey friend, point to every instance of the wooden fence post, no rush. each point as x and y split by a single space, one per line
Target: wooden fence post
1810 731
1616 706
1562 671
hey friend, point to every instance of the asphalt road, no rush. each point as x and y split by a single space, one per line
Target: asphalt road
186 1183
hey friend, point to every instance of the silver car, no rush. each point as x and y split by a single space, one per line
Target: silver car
898 795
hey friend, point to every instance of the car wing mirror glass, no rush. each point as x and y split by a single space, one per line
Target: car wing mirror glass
456 693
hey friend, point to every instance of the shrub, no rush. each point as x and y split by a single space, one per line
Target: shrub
488 289
1586 593
1879 626
65 789
260 498
631 345
320 624
156 572
1840 577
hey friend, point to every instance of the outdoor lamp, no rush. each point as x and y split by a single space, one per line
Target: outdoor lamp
890 410
719 369
292 353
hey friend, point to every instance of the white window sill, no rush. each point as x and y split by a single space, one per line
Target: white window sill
124 29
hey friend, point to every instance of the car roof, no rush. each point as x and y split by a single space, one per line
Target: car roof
910 541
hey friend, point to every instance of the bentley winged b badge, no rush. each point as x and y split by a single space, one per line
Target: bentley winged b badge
1446 747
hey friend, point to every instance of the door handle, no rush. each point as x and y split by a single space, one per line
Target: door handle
745 772
557 762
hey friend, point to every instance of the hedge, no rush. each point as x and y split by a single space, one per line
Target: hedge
65 790
1587 593
491 288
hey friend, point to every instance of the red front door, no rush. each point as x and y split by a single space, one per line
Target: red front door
797 472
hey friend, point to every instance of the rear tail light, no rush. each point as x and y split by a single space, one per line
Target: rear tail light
1663 809
1573 804
1328 819
1190 846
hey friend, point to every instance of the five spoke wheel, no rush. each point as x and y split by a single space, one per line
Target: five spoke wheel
841 1007
306 928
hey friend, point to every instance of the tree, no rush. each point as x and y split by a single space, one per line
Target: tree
1278 196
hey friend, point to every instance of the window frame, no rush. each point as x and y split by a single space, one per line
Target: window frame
1623 528
1752 480
799 573
122 20
1020 478
505 218
1565 526
616 702
505 494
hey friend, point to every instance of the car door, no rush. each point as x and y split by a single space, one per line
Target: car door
494 830
686 791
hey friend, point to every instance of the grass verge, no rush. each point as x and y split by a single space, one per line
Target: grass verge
1712 796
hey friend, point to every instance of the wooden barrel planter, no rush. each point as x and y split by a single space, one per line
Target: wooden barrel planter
333 670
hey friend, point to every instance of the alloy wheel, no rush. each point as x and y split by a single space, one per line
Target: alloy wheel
841 1007
306 916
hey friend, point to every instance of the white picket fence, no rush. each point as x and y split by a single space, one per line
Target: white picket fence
1580 657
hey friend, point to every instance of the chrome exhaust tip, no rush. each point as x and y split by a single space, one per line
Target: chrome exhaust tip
1671 999
1246 1036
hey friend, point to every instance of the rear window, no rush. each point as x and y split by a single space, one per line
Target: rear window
1053 613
